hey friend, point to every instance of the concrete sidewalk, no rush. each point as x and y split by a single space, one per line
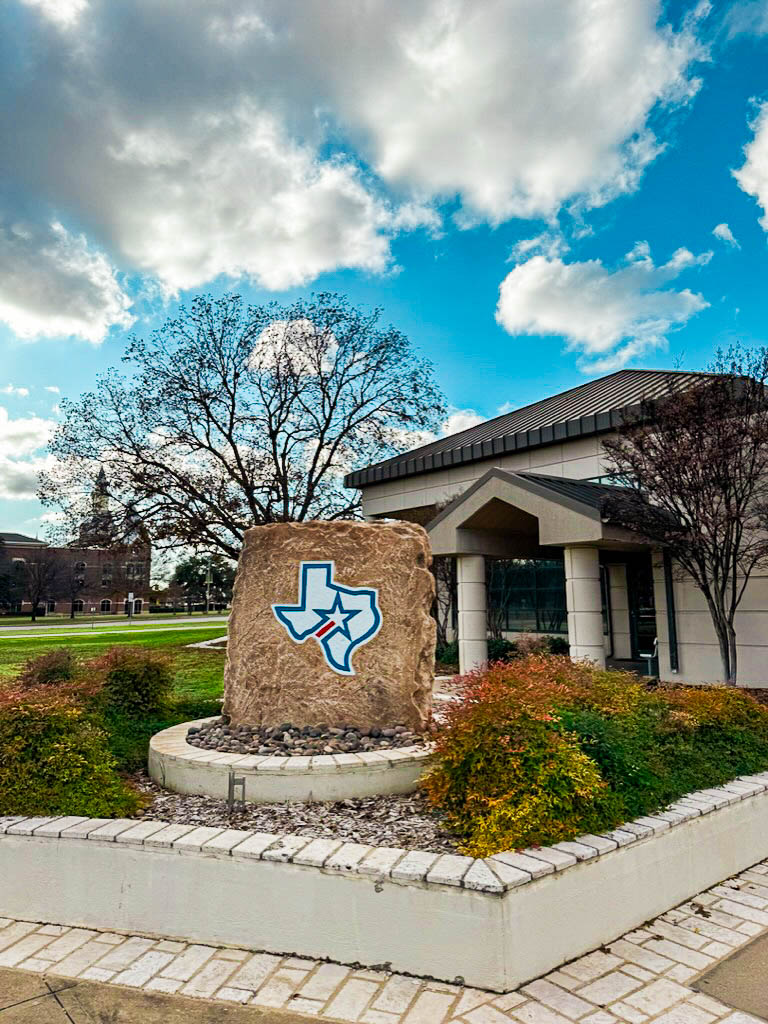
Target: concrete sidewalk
37 999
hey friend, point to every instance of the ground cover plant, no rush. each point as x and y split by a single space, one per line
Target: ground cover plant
542 750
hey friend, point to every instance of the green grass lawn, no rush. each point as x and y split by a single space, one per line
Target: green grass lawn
197 685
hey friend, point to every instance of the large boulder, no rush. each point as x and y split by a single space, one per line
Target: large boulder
331 625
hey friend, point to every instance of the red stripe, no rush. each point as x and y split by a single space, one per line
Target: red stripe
324 629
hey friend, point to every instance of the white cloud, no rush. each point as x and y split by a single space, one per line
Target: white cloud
271 210
460 419
53 389
53 283
753 175
516 107
11 389
296 344
21 460
63 13
608 315
198 138
724 233
750 17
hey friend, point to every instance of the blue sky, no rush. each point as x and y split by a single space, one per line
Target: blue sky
530 196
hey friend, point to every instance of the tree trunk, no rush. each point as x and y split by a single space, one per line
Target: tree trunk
721 631
72 609
732 655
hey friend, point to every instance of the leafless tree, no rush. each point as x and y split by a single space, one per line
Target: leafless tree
499 574
235 416
43 578
444 571
697 465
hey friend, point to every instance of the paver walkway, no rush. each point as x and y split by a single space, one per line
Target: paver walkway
648 975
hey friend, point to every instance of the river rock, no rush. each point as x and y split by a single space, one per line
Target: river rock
286 664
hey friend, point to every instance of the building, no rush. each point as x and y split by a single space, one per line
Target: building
531 487
93 576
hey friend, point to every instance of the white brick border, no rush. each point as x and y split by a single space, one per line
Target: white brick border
495 922
182 768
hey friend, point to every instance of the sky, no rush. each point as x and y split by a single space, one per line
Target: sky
536 194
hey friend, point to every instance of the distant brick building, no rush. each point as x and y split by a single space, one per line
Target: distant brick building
95 575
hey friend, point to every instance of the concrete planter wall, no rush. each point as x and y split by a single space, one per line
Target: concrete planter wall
496 922
182 768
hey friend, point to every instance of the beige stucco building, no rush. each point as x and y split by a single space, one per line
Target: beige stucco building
531 486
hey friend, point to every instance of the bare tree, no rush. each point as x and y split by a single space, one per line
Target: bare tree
42 578
499 574
444 571
697 465
233 417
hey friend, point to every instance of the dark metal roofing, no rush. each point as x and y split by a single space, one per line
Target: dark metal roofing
19 538
584 491
592 408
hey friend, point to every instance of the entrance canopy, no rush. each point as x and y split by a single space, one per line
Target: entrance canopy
525 515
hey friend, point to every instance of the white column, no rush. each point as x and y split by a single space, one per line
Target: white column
584 603
473 622
622 640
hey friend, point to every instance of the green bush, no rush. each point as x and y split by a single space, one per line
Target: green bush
447 654
55 759
56 666
135 681
558 645
501 650
543 749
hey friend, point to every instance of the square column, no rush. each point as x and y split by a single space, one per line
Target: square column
584 604
473 620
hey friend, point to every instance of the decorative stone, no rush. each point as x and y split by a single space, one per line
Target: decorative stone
295 653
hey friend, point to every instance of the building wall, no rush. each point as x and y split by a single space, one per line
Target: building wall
697 647
579 459
583 458
97 588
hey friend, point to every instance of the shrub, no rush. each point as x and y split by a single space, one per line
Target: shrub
135 681
558 645
54 758
56 666
542 750
447 654
500 649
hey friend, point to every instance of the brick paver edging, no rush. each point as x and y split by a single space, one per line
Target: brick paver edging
493 875
183 768
506 918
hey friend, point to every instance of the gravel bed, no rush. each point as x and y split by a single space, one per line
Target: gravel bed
405 821
288 740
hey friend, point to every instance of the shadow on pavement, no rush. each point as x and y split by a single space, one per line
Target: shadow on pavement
35 999
740 981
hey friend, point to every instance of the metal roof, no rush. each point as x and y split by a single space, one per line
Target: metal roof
19 538
586 492
592 408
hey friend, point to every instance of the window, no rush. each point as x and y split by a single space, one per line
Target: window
527 595
106 574
77 606
106 605
79 566
51 606
134 570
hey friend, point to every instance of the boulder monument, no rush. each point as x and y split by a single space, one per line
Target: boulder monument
331 624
